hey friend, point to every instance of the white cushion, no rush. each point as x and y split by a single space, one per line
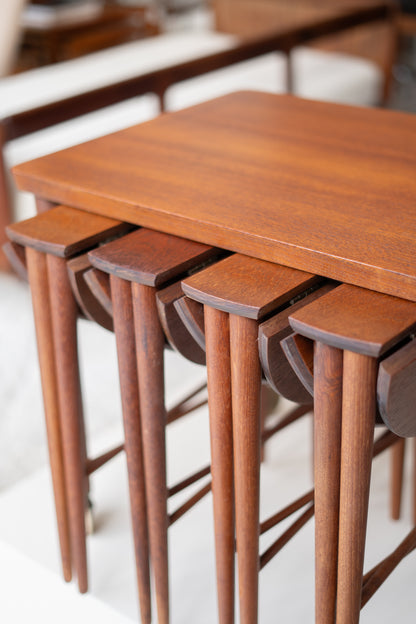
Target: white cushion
54 82
336 77
317 75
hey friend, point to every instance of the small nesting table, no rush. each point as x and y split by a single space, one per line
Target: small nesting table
323 188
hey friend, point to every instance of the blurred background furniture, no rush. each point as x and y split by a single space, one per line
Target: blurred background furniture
40 98
248 18
57 31
9 33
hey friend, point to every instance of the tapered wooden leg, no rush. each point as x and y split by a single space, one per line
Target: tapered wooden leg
64 316
327 457
358 418
124 330
217 337
38 278
246 387
150 346
397 468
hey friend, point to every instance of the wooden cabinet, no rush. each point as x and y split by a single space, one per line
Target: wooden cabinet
111 25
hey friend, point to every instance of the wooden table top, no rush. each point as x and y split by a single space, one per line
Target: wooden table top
325 188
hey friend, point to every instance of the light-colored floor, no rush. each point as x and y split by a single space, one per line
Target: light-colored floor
30 578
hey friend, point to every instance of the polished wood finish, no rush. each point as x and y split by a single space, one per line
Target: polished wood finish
245 383
241 209
397 474
358 417
247 286
151 258
89 305
274 360
192 314
125 337
237 292
99 284
396 390
174 329
39 284
327 460
16 256
217 333
364 325
139 264
159 81
64 317
357 319
63 231
270 142
299 353
149 350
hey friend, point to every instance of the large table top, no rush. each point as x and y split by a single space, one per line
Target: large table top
321 187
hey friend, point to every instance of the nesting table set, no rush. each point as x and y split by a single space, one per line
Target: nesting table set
299 221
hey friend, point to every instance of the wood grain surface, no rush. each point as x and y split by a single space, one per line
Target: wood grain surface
277 366
356 320
315 186
149 257
247 286
396 390
175 330
64 231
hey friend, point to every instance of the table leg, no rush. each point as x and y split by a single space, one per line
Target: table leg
124 331
246 389
327 454
64 319
397 475
38 278
217 337
149 347
358 418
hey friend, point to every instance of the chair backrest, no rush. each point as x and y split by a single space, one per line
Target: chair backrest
373 41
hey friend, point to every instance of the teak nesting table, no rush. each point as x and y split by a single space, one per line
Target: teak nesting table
323 188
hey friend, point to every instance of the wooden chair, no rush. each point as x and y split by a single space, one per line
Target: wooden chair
48 241
141 265
238 293
376 41
352 329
